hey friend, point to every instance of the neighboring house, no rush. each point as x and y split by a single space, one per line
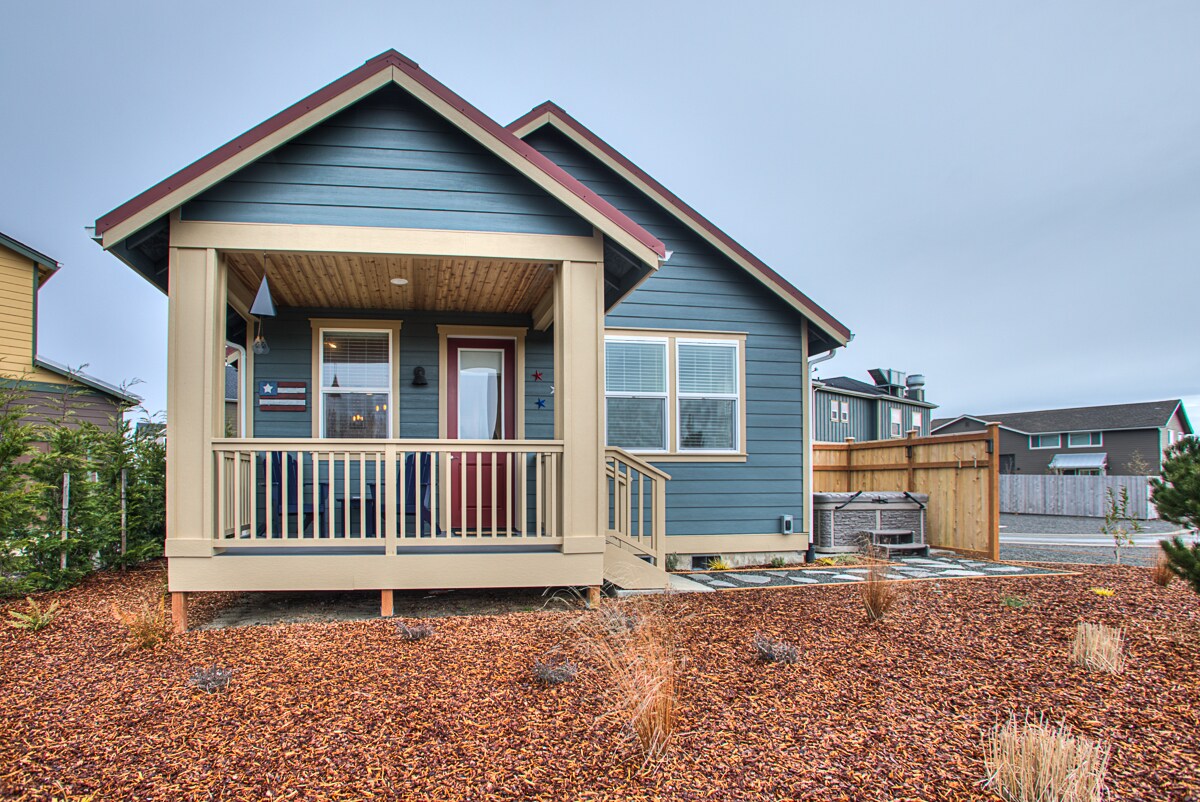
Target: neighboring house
466 314
1104 440
53 392
891 407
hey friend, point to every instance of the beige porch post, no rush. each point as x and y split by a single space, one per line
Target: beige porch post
578 393
195 362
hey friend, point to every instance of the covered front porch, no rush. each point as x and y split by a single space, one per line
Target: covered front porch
416 420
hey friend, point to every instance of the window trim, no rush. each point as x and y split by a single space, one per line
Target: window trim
1032 447
665 395
316 392
735 396
673 454
1089 444
833 410
895 423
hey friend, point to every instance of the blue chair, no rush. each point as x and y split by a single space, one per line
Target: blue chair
303 511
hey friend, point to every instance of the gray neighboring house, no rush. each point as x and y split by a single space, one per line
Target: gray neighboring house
1099 440
895 404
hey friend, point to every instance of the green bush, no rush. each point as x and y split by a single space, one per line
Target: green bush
34 457
1177 497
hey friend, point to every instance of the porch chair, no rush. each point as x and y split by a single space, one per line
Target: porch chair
304 512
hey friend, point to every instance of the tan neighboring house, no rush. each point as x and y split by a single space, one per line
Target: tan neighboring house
52 391
486 367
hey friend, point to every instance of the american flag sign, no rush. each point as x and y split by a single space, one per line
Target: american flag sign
282 396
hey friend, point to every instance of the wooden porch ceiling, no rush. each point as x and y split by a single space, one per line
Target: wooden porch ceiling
354 281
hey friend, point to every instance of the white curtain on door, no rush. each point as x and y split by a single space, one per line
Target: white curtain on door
478 403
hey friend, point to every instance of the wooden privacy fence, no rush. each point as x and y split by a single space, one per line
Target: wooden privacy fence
1085 496
960 473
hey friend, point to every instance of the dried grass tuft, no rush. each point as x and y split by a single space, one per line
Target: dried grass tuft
1098 648
146 626
642 664
1161 573
1030 761
878 593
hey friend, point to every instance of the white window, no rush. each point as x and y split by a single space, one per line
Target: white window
1045 441
833 410
897 421
845 412
707 393
916 420
356 383
635 386
1084 439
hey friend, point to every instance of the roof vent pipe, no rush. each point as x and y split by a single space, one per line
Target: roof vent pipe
915 387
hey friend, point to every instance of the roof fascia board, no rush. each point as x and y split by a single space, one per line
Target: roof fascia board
86 380
390 68
1051 431
608 155
977 420
1181 411
826 388
46 266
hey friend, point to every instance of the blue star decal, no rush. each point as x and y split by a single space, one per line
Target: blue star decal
541 403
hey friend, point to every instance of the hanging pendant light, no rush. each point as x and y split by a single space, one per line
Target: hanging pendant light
263 306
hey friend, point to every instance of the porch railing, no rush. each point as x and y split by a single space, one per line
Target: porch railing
637 503
386 493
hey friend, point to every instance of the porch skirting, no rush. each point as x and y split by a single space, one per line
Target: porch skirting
294 572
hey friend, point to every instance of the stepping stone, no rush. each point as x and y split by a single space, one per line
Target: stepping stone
721 583
817 571
898 576
847 577
700 577
961 572
1004 569
808 580
923 561
858 570
757 579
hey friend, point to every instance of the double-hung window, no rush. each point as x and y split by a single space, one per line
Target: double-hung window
833 410
1045 441
845 412
916 420
707 392
897 422
356 383
635 381
1084 439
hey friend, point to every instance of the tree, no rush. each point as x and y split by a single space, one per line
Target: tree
1118 522
1177 497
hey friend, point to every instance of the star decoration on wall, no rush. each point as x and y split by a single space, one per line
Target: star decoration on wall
537 375
541 403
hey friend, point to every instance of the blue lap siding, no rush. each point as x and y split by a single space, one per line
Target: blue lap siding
387 161
700 289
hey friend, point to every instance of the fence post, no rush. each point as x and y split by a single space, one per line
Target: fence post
124 531
993 490
66 502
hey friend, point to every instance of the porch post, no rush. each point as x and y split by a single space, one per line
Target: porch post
195 365
578 393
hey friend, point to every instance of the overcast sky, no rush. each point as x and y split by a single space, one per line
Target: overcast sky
1002 196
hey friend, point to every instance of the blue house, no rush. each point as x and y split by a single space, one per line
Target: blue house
497 355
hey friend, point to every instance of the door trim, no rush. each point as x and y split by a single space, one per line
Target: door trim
515 333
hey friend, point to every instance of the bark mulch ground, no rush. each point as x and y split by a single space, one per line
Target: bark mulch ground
348 710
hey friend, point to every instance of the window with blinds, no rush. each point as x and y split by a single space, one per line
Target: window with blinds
707 391
635 387
356 382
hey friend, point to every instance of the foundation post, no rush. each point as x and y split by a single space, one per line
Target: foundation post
593 597
385 604
179 611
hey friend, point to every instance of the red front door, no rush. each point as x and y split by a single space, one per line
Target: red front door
480 405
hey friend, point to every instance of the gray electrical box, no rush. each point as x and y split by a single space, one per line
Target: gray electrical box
787 524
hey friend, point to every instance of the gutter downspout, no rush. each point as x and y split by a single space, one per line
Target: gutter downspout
811 554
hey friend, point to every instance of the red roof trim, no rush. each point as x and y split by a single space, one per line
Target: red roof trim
553 109
383 61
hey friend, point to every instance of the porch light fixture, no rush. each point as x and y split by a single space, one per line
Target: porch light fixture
419 379
263 306
399 282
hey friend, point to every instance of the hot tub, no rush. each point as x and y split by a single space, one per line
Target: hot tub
845 522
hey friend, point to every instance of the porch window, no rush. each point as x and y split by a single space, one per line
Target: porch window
356 381
707 388
635 386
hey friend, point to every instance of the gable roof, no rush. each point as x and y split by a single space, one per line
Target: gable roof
551 114
87 380
1144 415
46 266
388 67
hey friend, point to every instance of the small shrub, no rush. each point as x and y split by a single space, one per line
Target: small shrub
778 562
34 618
552 671
1161 574
1098 648
839 559
618 621
672 562
211 679
1033 762
145 627
1103 592
414 632
1183 560
774 651
877 592
1014 602
718 564
643 666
